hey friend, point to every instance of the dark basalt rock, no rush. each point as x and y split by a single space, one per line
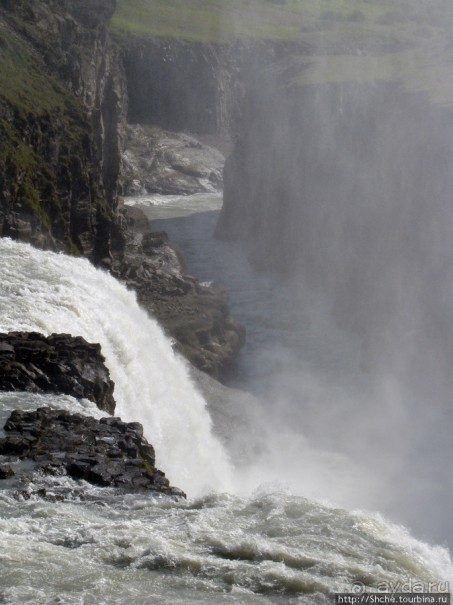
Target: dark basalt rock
106 452
6 471
59 363
62 128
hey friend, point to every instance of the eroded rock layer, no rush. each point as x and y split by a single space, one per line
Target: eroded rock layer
59 363
106 452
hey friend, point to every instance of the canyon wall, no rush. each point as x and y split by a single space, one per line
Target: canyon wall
180 85
195 87
62 112
67 88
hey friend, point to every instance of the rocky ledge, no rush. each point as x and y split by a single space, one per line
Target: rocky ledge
195 316
106 452
59 363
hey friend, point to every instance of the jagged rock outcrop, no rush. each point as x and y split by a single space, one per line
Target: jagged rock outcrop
59 363
195 316
106 452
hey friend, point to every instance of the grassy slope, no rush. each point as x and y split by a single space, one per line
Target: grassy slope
214 20
357 40
303 20
22 82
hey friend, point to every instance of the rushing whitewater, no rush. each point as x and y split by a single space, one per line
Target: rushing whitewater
68 542
50 293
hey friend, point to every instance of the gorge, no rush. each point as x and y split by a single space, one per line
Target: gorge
332 252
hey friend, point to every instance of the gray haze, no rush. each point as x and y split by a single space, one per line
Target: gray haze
335 242
342 191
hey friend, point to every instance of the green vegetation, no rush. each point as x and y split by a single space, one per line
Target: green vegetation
221 20
209 20
341 40
297 20
22 83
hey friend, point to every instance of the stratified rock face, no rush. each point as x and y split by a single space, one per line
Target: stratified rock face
106 452
58 363
62 111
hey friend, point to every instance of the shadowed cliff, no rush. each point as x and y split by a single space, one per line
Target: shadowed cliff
62 95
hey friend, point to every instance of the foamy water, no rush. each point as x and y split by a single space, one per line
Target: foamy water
46 292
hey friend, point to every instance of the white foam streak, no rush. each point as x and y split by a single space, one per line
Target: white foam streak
163 206
46 292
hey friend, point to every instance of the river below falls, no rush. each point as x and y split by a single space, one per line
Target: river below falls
316 388
265 307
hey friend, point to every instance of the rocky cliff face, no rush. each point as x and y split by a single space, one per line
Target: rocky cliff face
194 87
61 115
63 108
179 85
59 363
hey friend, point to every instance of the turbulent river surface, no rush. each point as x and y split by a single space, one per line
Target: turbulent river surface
263 544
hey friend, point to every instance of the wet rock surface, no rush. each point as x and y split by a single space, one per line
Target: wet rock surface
106 452
59 363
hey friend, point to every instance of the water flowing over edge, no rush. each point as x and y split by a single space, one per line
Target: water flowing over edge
48 293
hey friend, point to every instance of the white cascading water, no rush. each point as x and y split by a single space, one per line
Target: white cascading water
51 293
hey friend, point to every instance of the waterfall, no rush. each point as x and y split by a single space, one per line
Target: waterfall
48 292
218 544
